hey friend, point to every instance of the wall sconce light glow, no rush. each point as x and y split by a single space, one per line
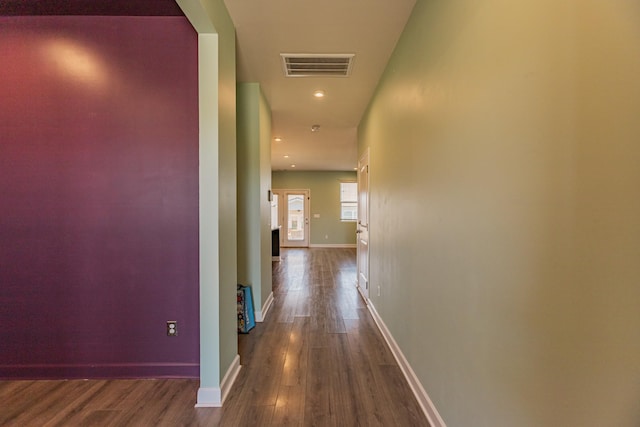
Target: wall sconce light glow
277 139
77 62
319 94
293 166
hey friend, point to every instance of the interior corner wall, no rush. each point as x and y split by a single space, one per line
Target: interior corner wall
327 228
99 197
505 217
254 181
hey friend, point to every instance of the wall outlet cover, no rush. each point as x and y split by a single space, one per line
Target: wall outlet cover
172 328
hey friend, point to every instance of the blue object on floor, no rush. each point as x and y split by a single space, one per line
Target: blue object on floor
246 316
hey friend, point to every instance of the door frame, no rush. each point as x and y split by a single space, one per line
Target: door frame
282 219
363 231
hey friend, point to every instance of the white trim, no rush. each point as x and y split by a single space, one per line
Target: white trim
435 420
332 245
209 397
362 255
213 397
262 314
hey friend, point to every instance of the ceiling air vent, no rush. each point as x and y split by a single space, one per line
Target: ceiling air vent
314 65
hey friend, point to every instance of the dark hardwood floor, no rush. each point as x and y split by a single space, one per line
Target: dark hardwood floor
317 360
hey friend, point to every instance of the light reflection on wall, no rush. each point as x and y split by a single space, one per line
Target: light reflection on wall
76 62
417 98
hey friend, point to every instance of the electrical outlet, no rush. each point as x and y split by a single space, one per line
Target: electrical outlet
172 328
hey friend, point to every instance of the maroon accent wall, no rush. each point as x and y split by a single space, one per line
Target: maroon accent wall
98 197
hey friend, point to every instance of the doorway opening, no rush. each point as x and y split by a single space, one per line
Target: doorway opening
292 207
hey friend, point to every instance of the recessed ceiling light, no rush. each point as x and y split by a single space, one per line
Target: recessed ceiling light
293 166
315 128
277 139
319 94
286 156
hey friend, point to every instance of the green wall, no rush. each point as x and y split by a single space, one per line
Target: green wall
325 201
505 217
254 181
227 185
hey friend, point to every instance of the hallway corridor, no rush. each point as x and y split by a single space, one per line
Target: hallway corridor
319 359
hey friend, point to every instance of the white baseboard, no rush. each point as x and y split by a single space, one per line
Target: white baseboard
435 420
332 245
213 397
262 314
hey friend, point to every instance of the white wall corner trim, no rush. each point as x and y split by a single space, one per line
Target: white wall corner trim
435 420
213 397
332 245
262 314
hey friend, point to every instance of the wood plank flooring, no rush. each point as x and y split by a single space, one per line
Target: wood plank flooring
317 360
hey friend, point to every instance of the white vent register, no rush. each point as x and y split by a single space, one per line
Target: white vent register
317 65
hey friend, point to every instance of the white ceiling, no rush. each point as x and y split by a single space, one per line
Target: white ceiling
267 28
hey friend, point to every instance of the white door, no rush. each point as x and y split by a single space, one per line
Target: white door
363 226
293 210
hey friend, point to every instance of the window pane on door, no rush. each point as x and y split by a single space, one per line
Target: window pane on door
275 223
295 217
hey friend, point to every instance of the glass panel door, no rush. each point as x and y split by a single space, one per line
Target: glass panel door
294 210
